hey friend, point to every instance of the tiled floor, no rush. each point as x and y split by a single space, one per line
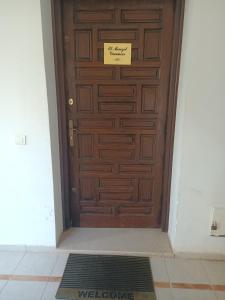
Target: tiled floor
36 276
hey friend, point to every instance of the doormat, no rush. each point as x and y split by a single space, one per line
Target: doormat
106 277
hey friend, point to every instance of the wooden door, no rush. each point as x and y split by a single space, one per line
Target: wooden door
119 112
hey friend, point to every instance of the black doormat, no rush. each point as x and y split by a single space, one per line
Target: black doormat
106 277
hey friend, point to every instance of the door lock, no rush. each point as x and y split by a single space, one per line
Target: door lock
70 101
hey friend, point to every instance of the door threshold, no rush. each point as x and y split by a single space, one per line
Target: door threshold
116 241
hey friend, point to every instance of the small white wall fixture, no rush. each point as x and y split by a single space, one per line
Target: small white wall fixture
218 222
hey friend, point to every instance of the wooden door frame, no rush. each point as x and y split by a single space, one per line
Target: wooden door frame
179 6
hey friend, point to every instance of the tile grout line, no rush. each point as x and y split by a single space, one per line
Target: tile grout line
17 265
44 290
50 273
168 275
30 278
2 288
157 284
7 280
56 260
209 279
167 272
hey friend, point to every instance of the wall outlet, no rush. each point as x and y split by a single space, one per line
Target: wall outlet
218 222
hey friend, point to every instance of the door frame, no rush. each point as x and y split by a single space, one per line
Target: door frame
179 7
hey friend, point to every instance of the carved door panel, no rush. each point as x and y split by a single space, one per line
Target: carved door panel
119 112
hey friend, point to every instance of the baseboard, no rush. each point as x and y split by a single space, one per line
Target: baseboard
26 248
195 255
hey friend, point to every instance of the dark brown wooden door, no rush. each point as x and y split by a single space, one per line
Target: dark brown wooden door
119 112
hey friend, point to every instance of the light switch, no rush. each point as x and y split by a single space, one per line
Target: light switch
21 139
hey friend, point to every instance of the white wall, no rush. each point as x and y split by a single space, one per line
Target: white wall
27 210
30 203
199 157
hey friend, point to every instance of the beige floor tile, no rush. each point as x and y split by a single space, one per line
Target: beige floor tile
164 244
220 295
2 285
215 271
182 294
41 264
60 264
9 261
50 291
22 290
186 271
159 270
164 294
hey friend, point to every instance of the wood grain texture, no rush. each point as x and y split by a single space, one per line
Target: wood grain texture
120 104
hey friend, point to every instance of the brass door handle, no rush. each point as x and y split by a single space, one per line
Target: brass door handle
72 130
76 130
71 138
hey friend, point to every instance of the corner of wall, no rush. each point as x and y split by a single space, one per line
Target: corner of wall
48 49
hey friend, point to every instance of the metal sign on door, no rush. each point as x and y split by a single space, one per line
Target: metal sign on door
117 54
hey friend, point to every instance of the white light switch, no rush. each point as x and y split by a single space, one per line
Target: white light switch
218 222
20 139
